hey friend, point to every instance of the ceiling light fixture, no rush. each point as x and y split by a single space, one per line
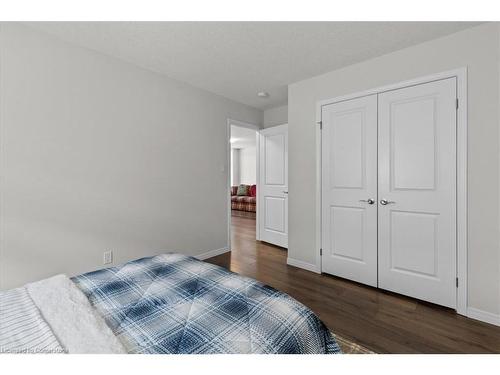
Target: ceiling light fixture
263 94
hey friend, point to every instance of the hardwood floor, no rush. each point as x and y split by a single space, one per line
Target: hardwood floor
383 322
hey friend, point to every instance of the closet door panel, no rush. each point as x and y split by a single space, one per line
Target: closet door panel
417 191
349 189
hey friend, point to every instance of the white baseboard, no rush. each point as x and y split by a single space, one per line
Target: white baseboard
483 316
304 265
212 253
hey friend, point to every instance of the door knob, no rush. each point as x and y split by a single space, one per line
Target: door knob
369 200
385 202
285 192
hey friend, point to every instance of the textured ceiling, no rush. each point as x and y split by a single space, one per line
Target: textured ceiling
238 59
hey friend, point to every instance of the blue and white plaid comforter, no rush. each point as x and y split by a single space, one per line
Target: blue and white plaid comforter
173 303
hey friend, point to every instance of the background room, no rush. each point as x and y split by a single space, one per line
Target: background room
243 171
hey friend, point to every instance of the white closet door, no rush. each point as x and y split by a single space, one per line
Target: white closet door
349 191
272 207
417 178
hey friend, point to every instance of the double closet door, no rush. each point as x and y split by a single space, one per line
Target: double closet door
389 190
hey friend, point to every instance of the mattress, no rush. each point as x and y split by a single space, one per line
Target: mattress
166 304
174 303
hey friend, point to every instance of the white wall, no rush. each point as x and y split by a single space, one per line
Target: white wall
235 166
97 154
477 48
243 166
248 166
275 116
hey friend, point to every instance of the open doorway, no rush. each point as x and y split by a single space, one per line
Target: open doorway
258 182
243 171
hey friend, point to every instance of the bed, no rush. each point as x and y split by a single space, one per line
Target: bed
170 303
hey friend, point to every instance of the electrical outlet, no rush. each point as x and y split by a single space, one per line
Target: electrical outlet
108 257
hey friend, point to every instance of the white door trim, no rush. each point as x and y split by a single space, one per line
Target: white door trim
462 224
248 125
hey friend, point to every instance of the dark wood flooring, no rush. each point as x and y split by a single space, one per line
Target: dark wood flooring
382 321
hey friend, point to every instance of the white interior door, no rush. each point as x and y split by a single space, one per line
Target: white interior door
349 189
417 191
272 206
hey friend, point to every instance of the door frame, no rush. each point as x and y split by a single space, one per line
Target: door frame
462 224
257 128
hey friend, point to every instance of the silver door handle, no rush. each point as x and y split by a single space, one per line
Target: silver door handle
369 200
285 192
385 202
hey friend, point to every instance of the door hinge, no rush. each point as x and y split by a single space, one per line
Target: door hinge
320 123
456 103
321 252
456 282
